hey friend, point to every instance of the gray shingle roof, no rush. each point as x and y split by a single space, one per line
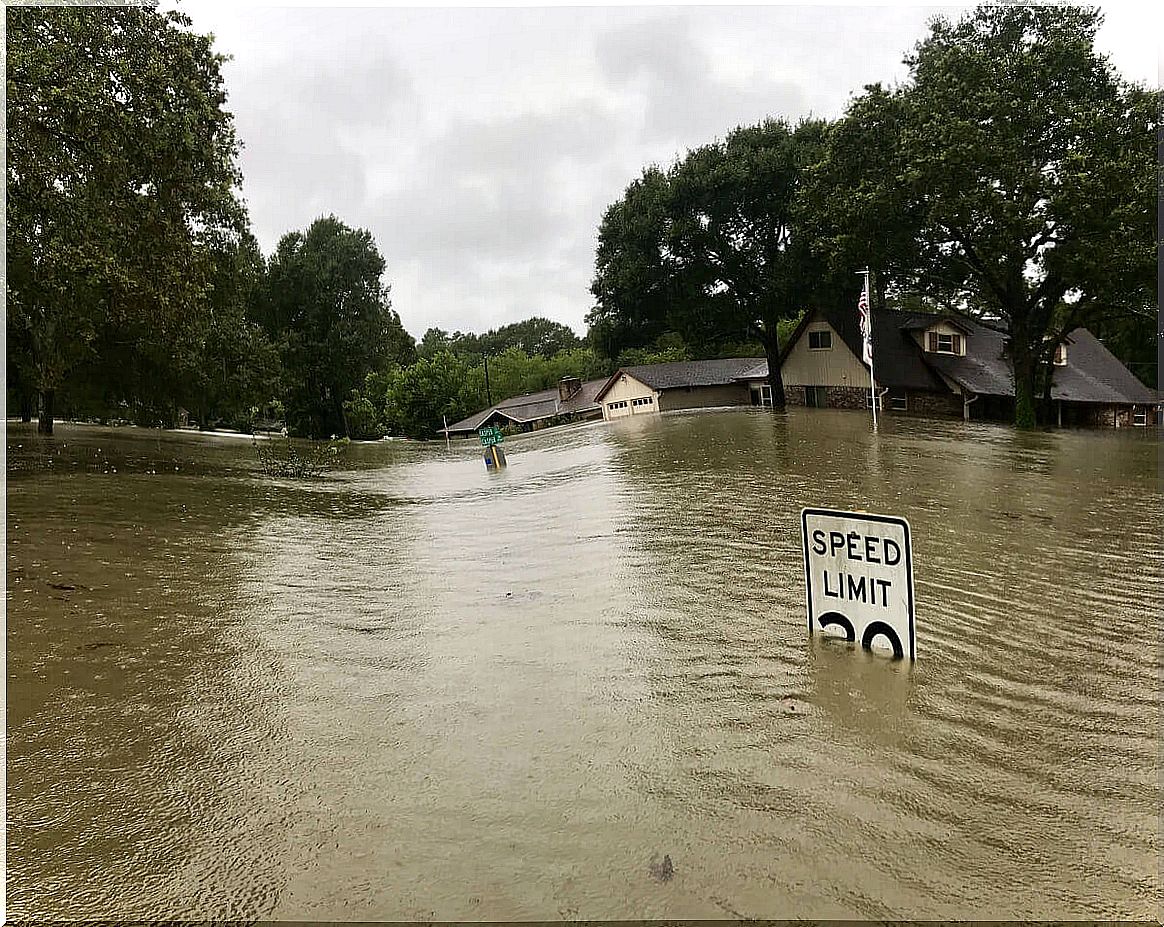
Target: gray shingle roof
1094 374
681 374
759 372
533 406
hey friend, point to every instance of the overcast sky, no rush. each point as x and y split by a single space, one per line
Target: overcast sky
481 146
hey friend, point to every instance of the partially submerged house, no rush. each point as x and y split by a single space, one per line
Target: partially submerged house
653 388
640 390
951 365
572 401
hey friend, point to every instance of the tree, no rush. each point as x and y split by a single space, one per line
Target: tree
716 249
632 284
856 219
121 161
322 301
1029 168
236 368
421 396
533 336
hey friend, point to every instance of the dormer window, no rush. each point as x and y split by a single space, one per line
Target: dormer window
1060 355
820 341
945 343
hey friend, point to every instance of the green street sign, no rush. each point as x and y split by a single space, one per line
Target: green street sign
490 435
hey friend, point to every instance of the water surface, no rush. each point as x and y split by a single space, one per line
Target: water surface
416 690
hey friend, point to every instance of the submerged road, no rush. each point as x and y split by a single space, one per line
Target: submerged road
582 687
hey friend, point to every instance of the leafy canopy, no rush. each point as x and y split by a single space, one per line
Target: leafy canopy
1025 169
121 166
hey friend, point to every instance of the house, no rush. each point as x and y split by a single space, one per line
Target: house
951 365
571 401
653 388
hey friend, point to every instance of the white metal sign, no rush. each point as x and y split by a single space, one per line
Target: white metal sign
858 569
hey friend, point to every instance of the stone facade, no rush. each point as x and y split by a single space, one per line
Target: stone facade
836 397
846 397
924 402
794 395
918 402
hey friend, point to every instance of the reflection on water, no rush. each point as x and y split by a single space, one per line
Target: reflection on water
416 690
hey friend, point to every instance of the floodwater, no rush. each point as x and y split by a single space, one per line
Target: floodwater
417 690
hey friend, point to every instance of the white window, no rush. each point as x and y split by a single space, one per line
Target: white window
820 341
944 343
1060 355
899 402
1140 417
765 394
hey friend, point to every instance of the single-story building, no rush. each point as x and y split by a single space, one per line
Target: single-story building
572 401
951 365
653 388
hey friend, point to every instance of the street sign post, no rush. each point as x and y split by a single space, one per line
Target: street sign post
858 571
491 438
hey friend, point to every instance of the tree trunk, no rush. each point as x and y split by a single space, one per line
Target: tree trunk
771 341
1048 382
26 405
44 424
1024 384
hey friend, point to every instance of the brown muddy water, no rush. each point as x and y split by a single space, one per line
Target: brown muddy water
416 690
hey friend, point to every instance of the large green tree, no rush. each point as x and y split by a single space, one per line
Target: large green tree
422 396
235 367
532 336
717 248
857 220
121 162
1029 169
633 282
323 301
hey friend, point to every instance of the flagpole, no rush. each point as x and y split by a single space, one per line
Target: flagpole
869 311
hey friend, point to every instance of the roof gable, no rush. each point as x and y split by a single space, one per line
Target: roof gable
897 360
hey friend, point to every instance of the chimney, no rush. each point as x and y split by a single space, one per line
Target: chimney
568 387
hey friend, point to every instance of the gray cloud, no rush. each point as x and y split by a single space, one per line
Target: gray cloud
481 146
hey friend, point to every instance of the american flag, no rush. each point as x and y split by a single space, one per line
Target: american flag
866 327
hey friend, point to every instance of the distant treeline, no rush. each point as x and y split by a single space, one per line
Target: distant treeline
1012 176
